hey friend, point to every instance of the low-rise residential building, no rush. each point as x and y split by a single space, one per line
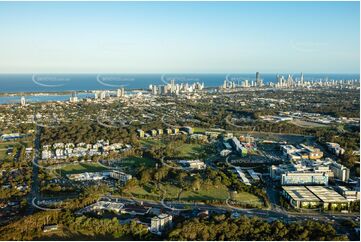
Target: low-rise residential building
212 134
60 151
153 132
140 133
160 131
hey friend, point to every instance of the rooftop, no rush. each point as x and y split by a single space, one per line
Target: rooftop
326 194
300 193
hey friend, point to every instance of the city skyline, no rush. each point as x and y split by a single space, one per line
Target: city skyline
179 37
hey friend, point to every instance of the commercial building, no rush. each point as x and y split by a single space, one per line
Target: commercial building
313 153
120 92
277 171
163 90
238 146
227 146
335 148
246 139
225 152
22 101
300 197
118 175
304 178
242 176
108 206
193 164
314 197
88 176
253 174
73 98
303 152
160 223
341 172
329 197
50 228
350 195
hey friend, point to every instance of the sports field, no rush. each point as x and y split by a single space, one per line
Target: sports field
190 150
81 167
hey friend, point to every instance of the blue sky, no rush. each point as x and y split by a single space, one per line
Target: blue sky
204 37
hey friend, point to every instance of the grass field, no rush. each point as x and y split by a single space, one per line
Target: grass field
81 167
207 193
136 162
146 190
3 149
190 150
5 145
130 163
171 191
199 130
150 142
247 198
3 154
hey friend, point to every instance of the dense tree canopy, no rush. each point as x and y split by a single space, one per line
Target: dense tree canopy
221 227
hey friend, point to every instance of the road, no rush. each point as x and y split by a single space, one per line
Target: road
279 214
34 192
